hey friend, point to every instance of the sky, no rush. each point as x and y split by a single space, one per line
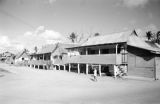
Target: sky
30 23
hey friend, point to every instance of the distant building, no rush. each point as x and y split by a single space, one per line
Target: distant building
49 56
22 58
6 56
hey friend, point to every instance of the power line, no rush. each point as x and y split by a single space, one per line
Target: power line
2 11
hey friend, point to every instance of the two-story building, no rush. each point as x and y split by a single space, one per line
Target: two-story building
126 49
50 56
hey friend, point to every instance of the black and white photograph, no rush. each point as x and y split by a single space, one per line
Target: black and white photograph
79 51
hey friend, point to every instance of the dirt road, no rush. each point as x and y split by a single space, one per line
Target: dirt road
22 85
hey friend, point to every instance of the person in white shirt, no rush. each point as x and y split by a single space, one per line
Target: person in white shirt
116 71
95 73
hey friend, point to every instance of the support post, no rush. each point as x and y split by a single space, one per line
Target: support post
78 68
55 66
69 67
155 73
43 66
87 69
99 51
116 53
99 66
43 56
64 67
115 67
86 51
59 67
100 74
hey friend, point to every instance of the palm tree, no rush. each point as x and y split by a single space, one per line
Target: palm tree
35 49
149 35
73 37
97 34
26 50
158 37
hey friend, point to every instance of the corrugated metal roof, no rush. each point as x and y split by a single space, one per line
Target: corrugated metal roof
106 39
22 54
132 38
53 48
136 41
47 49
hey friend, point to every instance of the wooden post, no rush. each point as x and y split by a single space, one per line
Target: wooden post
99 52
43 56
87 64
78 68
59 67
87 69
43 66
64 67
69 67
55 66
116 53
99 66
86 51
155 73
100 74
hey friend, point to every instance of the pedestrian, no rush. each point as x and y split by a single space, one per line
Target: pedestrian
95 73
116 71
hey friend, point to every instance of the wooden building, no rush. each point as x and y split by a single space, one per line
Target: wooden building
49 56
127 49
22 58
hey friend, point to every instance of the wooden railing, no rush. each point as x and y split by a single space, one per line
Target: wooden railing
83 59
39 62
94 59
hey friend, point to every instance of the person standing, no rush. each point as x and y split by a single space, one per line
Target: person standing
95 73
116 71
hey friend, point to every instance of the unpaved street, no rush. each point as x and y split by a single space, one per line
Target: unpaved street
22 85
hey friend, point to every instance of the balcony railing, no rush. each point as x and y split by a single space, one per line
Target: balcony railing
94 59
39 62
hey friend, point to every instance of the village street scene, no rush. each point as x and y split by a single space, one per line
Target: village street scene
79 52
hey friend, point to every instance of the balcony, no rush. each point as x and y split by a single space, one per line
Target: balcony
39 62
95 59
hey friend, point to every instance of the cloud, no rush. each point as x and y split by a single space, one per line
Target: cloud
51 35
151 27
4 41
52 1
8 45
40 37
28 33
132 22
134 3
49 1
41 32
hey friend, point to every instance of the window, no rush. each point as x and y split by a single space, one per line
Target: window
104 51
